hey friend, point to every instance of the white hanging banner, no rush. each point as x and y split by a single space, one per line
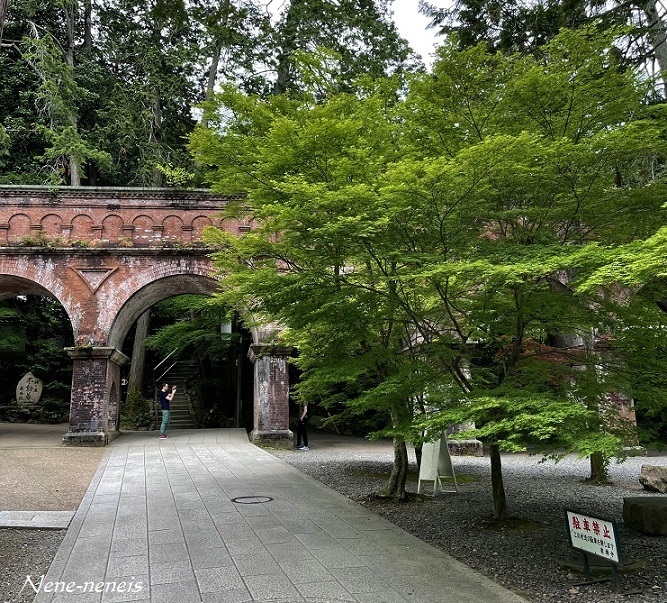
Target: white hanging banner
436 465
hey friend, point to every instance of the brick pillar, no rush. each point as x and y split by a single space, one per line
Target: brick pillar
271 395
93 416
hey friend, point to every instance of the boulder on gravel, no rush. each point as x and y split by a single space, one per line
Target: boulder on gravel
646 514
654 478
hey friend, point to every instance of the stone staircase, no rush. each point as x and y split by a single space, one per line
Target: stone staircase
179 376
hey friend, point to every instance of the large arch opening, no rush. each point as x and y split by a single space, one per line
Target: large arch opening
35 371
171 332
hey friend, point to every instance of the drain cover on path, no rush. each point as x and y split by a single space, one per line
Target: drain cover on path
251 500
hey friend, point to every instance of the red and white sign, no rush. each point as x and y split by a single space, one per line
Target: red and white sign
593 535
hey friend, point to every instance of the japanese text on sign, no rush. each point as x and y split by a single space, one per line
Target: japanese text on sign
593 535
28 390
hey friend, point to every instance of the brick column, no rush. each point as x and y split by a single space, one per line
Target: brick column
93 417
271 395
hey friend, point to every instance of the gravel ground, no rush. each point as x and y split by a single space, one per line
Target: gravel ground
524 555
22 553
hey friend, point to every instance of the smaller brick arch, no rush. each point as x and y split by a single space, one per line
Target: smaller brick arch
112 228
198 225
19 227
172 229
142 230
82 227
52 225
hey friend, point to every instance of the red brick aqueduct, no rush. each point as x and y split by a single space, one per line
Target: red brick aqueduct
108 255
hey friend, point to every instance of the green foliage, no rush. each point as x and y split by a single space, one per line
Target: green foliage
176 176
433 244
4 144
196 327
358 33
135 412
110 86
37 332
207 404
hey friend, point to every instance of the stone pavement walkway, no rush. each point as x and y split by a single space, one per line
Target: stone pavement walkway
204 516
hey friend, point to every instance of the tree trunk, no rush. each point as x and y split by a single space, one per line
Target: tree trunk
74 164
599 464
3 14
136 378
212 77
287 49
395 487
87 26
497 487
657 33
157 125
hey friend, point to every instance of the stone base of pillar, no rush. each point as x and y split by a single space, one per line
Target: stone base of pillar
465 448
89 438
280 438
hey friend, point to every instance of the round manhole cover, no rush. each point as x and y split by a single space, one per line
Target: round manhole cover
251 500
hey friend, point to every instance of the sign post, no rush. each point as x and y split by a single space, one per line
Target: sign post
595 536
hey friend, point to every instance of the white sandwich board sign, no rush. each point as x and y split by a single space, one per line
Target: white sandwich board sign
436 465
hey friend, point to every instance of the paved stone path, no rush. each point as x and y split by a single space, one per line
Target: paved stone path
204 516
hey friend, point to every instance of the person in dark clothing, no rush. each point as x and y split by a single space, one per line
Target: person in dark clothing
165 399
302 428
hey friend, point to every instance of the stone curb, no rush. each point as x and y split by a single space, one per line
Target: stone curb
43 520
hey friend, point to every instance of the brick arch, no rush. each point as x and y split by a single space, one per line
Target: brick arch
11 286
142 230
52 225
82 227
120 252
199 224
19 227
153 293
112 227
31 276
172 229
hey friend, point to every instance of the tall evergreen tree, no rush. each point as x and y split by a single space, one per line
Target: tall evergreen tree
525 25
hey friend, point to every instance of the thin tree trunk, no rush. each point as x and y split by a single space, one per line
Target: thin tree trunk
137 363
497 486
418 454
395 487
599 473
657 33
3 14
74 164
286 52
157 125
212 77
87 26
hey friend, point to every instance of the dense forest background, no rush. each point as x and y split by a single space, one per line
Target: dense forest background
104 92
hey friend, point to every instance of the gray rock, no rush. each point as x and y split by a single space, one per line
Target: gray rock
646 514
654 478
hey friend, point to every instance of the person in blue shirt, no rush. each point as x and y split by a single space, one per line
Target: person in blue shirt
165 398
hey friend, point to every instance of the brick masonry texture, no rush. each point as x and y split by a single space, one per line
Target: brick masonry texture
108 255
111 217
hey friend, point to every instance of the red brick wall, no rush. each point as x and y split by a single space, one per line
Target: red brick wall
111 217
